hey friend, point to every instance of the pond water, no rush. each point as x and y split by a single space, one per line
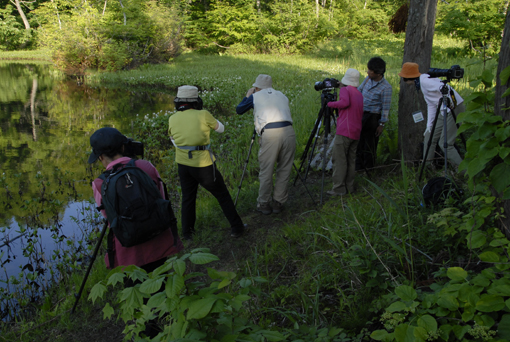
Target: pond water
45 195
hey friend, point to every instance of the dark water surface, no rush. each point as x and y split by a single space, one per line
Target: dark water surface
46 121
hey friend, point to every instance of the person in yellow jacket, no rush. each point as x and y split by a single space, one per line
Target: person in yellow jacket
189 129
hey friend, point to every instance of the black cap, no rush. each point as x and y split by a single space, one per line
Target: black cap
105 140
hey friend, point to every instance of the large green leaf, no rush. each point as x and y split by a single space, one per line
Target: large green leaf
428 323
406 293
501 290
490 303
404 333
395 307
132 296
107 311
468 313
157 300
200 308
379 335
97 291
174 284
271 335
152 285
116 278
504 75
489 256
456 273
499 176
203 258
179 267
477 239
504 327
448 302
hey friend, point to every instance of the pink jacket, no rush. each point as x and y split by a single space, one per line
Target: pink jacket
350 112
155 249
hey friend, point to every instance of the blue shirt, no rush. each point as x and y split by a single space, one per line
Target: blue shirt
245 105
376 97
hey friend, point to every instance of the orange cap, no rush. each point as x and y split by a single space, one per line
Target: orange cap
409 70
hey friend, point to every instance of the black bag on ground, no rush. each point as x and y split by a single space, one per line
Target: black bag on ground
134 206
438 189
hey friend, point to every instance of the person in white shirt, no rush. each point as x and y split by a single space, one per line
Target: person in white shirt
273 123
431 89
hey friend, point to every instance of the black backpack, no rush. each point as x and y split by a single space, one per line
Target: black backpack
134 206
438 189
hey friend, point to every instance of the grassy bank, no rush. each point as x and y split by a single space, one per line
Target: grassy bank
331 265
30 55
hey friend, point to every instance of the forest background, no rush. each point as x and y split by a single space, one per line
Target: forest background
114 35
379 267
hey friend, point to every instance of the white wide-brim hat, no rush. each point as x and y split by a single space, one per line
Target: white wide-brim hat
187 94
263 81
351 77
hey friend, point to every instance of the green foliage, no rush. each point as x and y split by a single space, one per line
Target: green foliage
488 147
111 38
478 22
190 307
463 304
13 34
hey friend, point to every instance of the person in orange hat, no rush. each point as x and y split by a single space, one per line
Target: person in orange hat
431 89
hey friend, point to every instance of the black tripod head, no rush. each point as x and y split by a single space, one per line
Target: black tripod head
327 95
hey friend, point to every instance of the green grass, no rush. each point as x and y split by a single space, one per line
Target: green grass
328 265
33 55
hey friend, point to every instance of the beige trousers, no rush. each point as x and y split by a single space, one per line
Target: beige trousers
451 134
344 164
277 146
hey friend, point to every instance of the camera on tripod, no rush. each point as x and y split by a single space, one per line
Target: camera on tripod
328 83
454 73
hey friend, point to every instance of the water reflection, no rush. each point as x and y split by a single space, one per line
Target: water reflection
45 123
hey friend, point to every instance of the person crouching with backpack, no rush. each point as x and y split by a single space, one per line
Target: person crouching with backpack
107 147
147 252
189 131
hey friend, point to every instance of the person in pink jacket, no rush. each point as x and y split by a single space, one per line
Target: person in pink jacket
348 131
108 145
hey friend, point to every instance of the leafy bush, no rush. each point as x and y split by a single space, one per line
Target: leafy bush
12 34
87 37
192 308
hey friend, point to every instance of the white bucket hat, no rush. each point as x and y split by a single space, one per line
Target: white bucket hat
187 94
263 81
351 77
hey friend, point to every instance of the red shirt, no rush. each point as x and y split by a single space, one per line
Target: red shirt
155 249
350 112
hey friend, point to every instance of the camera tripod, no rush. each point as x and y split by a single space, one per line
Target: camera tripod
441 107
323 119
246 165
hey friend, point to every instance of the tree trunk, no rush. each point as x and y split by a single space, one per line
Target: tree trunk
22 14
501 105
417 49
32 107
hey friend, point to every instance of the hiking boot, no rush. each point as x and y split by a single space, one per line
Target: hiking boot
334 193
239 233
277 207
264 208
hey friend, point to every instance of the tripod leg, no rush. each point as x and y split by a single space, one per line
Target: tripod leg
245 166
304 183
311 154
316 127
96 250
429 143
